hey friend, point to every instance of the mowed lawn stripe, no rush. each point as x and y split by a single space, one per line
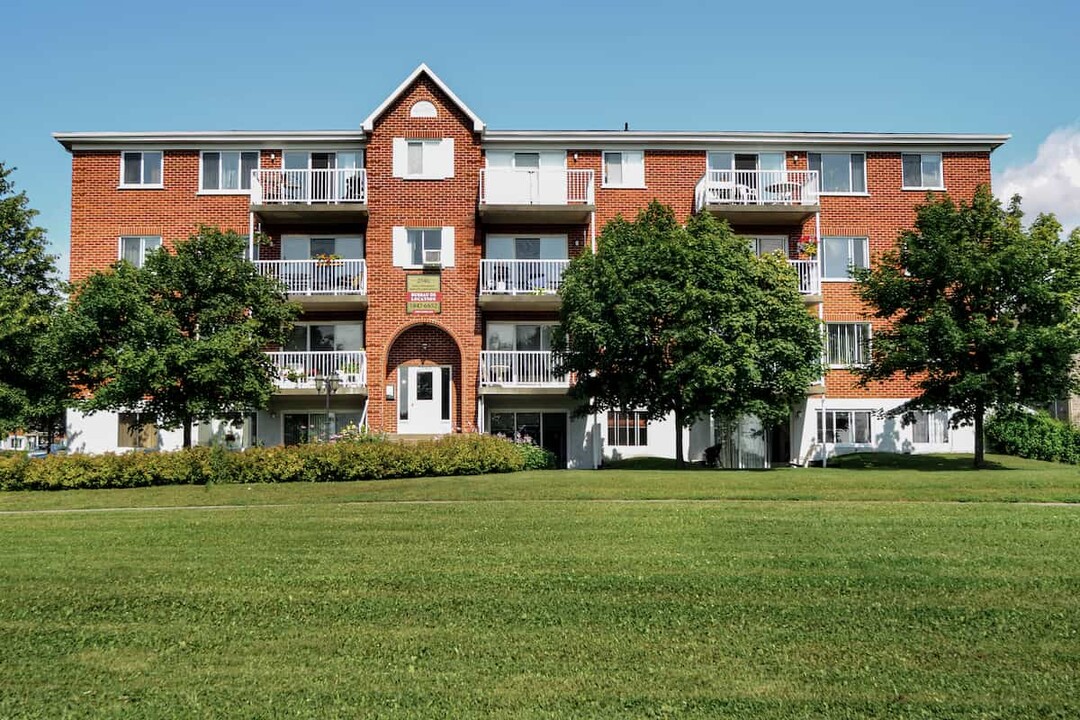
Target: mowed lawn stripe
946 478
526 609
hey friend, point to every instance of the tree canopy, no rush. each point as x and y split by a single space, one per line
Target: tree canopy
981 311
29 294
685 321
180 339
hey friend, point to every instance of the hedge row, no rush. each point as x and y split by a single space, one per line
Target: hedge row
1033 435
335 462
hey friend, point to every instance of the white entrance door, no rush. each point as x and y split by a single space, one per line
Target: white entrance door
424 403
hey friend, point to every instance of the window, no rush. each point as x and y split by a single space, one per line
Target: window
847 343
844 427
625 168
421 240
423 109
228 170
769 244
627 428
922 171
325 337
411 245
840 254
135 248
426 159
140 169
307 427
301 247
931 427
136 430
521 337
840 172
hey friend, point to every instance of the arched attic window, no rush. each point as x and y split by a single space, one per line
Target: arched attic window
423 109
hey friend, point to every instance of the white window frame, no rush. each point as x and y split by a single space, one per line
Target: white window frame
142 246
142 170
229 191
605 183
821 432
634 428
821 174
851 239
864 339
430 151
423 243
922 186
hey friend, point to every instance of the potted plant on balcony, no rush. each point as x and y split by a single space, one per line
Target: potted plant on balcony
808 246
327 259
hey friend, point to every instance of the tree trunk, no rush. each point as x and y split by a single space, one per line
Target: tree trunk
980 450
187 432
678 438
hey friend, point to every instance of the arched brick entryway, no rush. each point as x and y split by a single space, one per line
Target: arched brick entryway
423 346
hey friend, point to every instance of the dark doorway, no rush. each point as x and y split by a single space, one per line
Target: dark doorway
553 437
780 445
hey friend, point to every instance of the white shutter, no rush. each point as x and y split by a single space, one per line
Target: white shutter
634 168
444 151
402 251
401 157
448 247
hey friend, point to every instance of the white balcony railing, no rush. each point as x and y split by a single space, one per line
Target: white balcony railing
298 370
519 368
519 186
318 277
809 276
757 187
308 187
521 277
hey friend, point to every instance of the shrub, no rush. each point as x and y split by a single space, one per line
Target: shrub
365 457
535 457
1033 435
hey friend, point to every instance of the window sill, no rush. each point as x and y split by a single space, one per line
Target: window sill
922 189
141 187
422 177
605 186
823 193
223 192
837 280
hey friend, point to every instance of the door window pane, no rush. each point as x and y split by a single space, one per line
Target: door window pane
528 337
298 339
527 248
348 337
721 161
322 337
613 170
502 423
500 336
425 386
416 158
444 396
528 425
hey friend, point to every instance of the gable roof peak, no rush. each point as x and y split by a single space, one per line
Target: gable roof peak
422 69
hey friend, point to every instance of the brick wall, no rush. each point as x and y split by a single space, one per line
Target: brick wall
101 213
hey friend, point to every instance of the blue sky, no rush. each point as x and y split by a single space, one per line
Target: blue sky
988 66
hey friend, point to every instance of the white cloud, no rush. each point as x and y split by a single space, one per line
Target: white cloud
1051 182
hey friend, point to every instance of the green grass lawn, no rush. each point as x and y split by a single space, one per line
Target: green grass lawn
553 595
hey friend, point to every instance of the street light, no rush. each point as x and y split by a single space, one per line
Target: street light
328 384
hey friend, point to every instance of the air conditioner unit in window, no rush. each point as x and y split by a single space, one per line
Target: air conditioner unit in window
433 257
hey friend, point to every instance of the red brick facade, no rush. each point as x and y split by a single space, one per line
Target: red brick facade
101 213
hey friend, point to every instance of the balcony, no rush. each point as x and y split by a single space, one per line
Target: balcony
759 197
333 284
521 284
309 196
518 195
297 370
519 372
809 279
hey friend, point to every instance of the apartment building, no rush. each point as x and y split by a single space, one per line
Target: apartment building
427 252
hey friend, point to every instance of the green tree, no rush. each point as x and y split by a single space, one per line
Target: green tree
981 311
684 321
28 296
180 339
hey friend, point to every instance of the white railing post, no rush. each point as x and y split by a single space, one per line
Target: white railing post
298 369
331 186
521 277
318 277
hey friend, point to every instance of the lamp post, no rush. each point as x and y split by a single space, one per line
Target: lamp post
329 384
